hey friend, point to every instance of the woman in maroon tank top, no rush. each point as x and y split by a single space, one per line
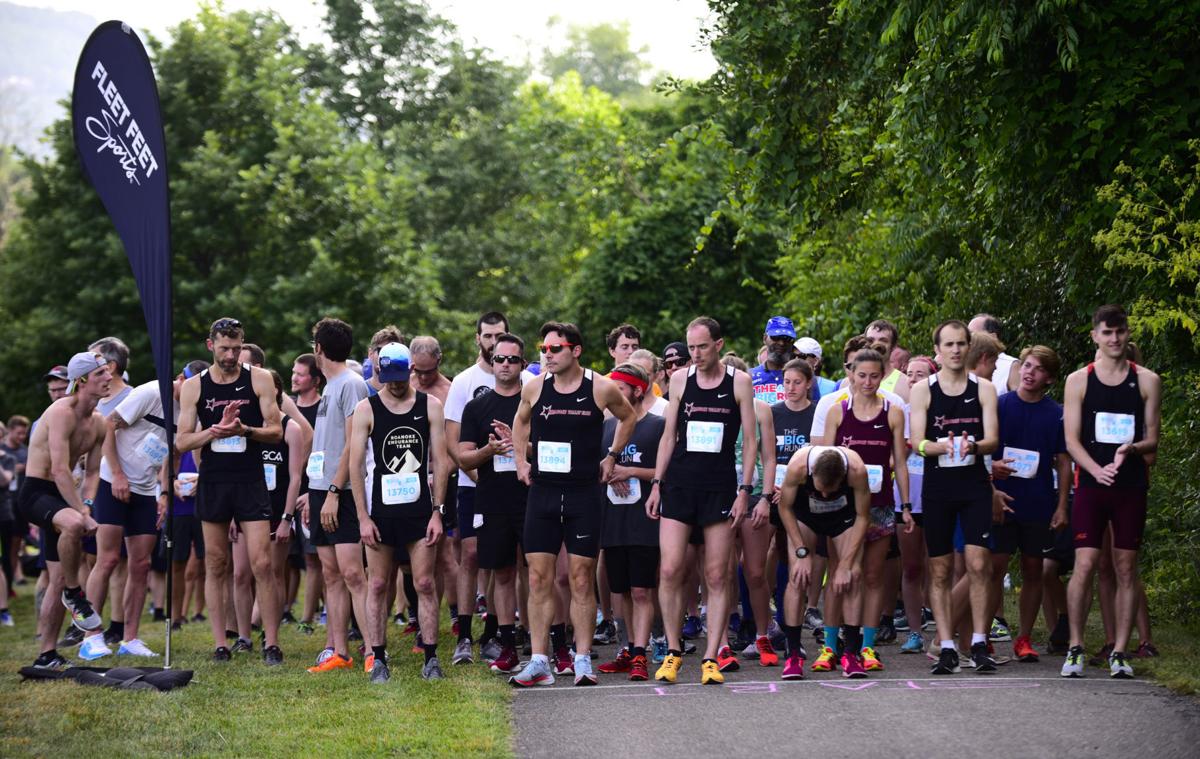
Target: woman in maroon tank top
871 426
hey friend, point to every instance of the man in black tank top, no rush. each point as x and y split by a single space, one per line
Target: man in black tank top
695 481
228 412
557 443
953 424
1111 422
404 429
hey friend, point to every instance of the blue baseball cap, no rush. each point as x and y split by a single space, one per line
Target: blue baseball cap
395 363
780 326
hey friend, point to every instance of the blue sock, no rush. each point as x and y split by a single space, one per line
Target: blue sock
869 637
831 637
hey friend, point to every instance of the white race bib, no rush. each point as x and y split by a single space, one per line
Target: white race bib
187 484
477 521
554 457
269 474
635 492
235 444
316 465
705 437
875 477
821 506
955 457
153 449
780 475
916 465
1116 429
401 488
1024 462
504 464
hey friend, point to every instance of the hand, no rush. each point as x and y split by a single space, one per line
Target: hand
620 487
801 572
1059 521
89 525
367 531
162 510
843 580
739 509
761 515
234 532
120 487
652 502
329 512
606 468
909 523
525 472
302 507
433 531
502 430
283 533
1001 469
499 446
1121 454
1106 475
1000 507
230 415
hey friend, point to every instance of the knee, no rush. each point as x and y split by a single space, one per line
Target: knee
755 576
541 581
873 576
425 586
469 557
715 578
640 596
107 563
377 586
242 575
506 576
139 567
330 573
355 578
914 571
671 574
261 566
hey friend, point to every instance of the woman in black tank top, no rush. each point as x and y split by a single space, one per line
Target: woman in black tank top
706 434
565 435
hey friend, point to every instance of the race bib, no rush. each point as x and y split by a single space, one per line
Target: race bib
401 488
504 464
187 485
955 457
269 473
875 477
780 475
235 444
1024 462
635 492
153 449
822 506
1116 429
554 457
705 437
316 465
916 464
477 521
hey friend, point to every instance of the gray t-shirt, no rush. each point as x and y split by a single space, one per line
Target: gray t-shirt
338 400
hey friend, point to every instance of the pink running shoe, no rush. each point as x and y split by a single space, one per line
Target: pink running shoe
851 666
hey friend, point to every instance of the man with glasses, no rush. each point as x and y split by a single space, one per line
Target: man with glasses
778 339
675 357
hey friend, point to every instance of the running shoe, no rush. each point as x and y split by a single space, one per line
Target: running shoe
221 654
368 663
777 635
870 660
639 670
94 648
812 619
900 622
617 665
766 652
524 641
735 624
380 672
288 618
1118 666
746 648
54 662
112 637
999 632
852 667
689 648
242 644
305 628
325 654
658 649
356 634
412 628
1073 666
506 662
726 660
198 617
490 650
926 618
463 653
135 647
563 663
983 661
399 619
432 670
1023 649
1101 657
481 606
6 618
536 672
323 620
606 632
947 663
272 656
825 660
332 662
669 670
82 614
454 627
1146 650
692 628
886 633
914 645
793 668
72 637
710 673
583 670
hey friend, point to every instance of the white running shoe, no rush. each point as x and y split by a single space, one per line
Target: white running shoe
93 648
135 647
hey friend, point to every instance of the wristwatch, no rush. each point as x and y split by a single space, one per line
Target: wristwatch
614 454
440 509
655 481
906 507
801 553
334 489
747 489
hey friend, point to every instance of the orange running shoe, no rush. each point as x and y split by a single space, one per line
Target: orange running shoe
337 661
726 660
870 660
826 660
369 663
766 652
1023 650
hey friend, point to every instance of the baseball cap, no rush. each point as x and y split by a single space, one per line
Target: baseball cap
806 346
675 352
57 372
780 326
394 363
81 365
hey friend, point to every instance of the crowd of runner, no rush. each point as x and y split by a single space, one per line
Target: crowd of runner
859 495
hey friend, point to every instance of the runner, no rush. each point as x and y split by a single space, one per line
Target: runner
229 412
1007 373
403 428
1033 448
283 463
810 351
778 339
913 556
826 494
953 425
332 515
622 341
561 421
48 498
485 446
694 486
883 331
1111 417
653 366
307 383
675 357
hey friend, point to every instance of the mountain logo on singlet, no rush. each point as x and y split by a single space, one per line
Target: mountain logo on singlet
403 450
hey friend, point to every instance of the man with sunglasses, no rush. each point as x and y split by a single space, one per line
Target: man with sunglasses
675 357
778 339
809 350
560 422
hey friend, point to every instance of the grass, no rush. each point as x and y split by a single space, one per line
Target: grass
243 708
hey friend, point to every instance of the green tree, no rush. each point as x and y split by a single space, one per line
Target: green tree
602 56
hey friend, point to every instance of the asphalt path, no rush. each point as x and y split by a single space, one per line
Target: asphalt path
1024 710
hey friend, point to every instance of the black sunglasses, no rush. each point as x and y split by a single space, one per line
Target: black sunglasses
507 359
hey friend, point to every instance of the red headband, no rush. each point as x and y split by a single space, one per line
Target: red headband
629 379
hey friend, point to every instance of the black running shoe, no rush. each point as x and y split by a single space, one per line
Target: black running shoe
72 637
984 663
222 654
288 618
53 661
112 638
272 656
241 644
947 663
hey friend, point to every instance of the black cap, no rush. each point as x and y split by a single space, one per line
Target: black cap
675 351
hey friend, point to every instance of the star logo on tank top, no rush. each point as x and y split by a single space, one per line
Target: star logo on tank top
939 422
687 408
547 411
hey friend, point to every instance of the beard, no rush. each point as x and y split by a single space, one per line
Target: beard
779 358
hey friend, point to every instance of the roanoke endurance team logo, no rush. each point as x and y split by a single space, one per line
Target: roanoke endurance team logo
403 450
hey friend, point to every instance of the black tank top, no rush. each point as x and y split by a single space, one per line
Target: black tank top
706 433
811 504
400 444
233 460
566 434
1113 415
275 469
960 414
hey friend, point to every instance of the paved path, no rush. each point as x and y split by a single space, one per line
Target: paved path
1025 710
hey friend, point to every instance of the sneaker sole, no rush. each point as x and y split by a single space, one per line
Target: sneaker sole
531 683
1071 674
1121 675
584 680
791 677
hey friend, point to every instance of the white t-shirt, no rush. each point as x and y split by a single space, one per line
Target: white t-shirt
1004 364
466 386
660 407
142 446
827 401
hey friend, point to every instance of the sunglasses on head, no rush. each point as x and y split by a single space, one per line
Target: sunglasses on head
507 359
555 349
